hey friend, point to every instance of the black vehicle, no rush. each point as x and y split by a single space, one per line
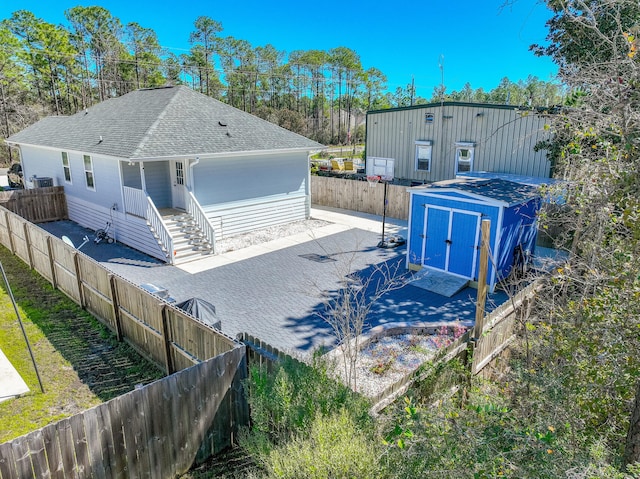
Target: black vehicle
14 176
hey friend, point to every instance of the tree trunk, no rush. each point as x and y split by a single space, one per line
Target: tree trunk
5 110
632 446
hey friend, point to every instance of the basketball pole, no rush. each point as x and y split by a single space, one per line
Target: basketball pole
383 243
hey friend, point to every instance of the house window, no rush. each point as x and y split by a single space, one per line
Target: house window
88 172
428 117
179 173
65 167
464 157
423 155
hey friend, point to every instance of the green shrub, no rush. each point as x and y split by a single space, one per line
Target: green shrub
334 447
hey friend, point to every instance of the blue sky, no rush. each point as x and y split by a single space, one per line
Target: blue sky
480 42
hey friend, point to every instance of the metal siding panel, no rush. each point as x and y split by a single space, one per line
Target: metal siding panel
504 140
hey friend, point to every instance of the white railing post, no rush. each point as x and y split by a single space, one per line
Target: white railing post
155 220
200 218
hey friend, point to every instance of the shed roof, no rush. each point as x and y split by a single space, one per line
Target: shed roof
161 122
507 192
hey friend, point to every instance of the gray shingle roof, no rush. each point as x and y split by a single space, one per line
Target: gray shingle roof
161 122
502 190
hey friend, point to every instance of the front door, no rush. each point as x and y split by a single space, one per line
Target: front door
178 188
451 240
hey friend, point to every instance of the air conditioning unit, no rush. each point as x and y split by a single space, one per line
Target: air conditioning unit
42 182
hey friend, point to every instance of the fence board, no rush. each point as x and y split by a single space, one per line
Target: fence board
94 442
63 430
194 337
52 448
38 238
21 457
106 438
4 229
18 238
38 455
7 463
65 270
83 467
359 196
96 290
119 458
130 426
37 205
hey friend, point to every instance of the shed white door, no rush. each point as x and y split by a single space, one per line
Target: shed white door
451 240
178 188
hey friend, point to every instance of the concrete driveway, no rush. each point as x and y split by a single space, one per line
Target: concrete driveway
274 290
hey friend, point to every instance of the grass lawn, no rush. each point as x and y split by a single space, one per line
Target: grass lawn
80 362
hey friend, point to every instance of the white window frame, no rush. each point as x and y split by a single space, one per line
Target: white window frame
66 168
89 177
460 147
421 145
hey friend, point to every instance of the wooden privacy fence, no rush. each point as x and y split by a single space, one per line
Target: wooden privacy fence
156 431
497 334
359 196
159 331
498 330
37 205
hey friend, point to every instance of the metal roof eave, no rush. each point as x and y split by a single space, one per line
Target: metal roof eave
433 192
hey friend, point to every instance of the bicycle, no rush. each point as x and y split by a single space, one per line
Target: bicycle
103 235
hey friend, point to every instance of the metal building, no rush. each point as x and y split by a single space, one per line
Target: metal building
437 141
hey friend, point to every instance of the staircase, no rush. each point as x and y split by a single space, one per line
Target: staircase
188 241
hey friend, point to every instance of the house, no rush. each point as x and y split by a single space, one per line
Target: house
171 169
435 142
445 220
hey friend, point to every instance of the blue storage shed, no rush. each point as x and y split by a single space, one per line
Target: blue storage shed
445 219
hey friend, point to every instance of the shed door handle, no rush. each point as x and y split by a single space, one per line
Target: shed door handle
448 241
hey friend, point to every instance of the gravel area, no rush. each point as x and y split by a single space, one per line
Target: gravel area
387 359
268 234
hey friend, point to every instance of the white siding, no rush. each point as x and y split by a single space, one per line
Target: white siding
230 219
504 139
127 229
241 194
45 162
157 181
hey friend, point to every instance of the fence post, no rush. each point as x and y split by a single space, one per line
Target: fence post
116 306
27 241
482 291
11 245
167 340
52 263
482 279
76 264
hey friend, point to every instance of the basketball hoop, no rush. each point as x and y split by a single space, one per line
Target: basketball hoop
373 180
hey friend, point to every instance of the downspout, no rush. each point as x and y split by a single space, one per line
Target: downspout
308 192
191 165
